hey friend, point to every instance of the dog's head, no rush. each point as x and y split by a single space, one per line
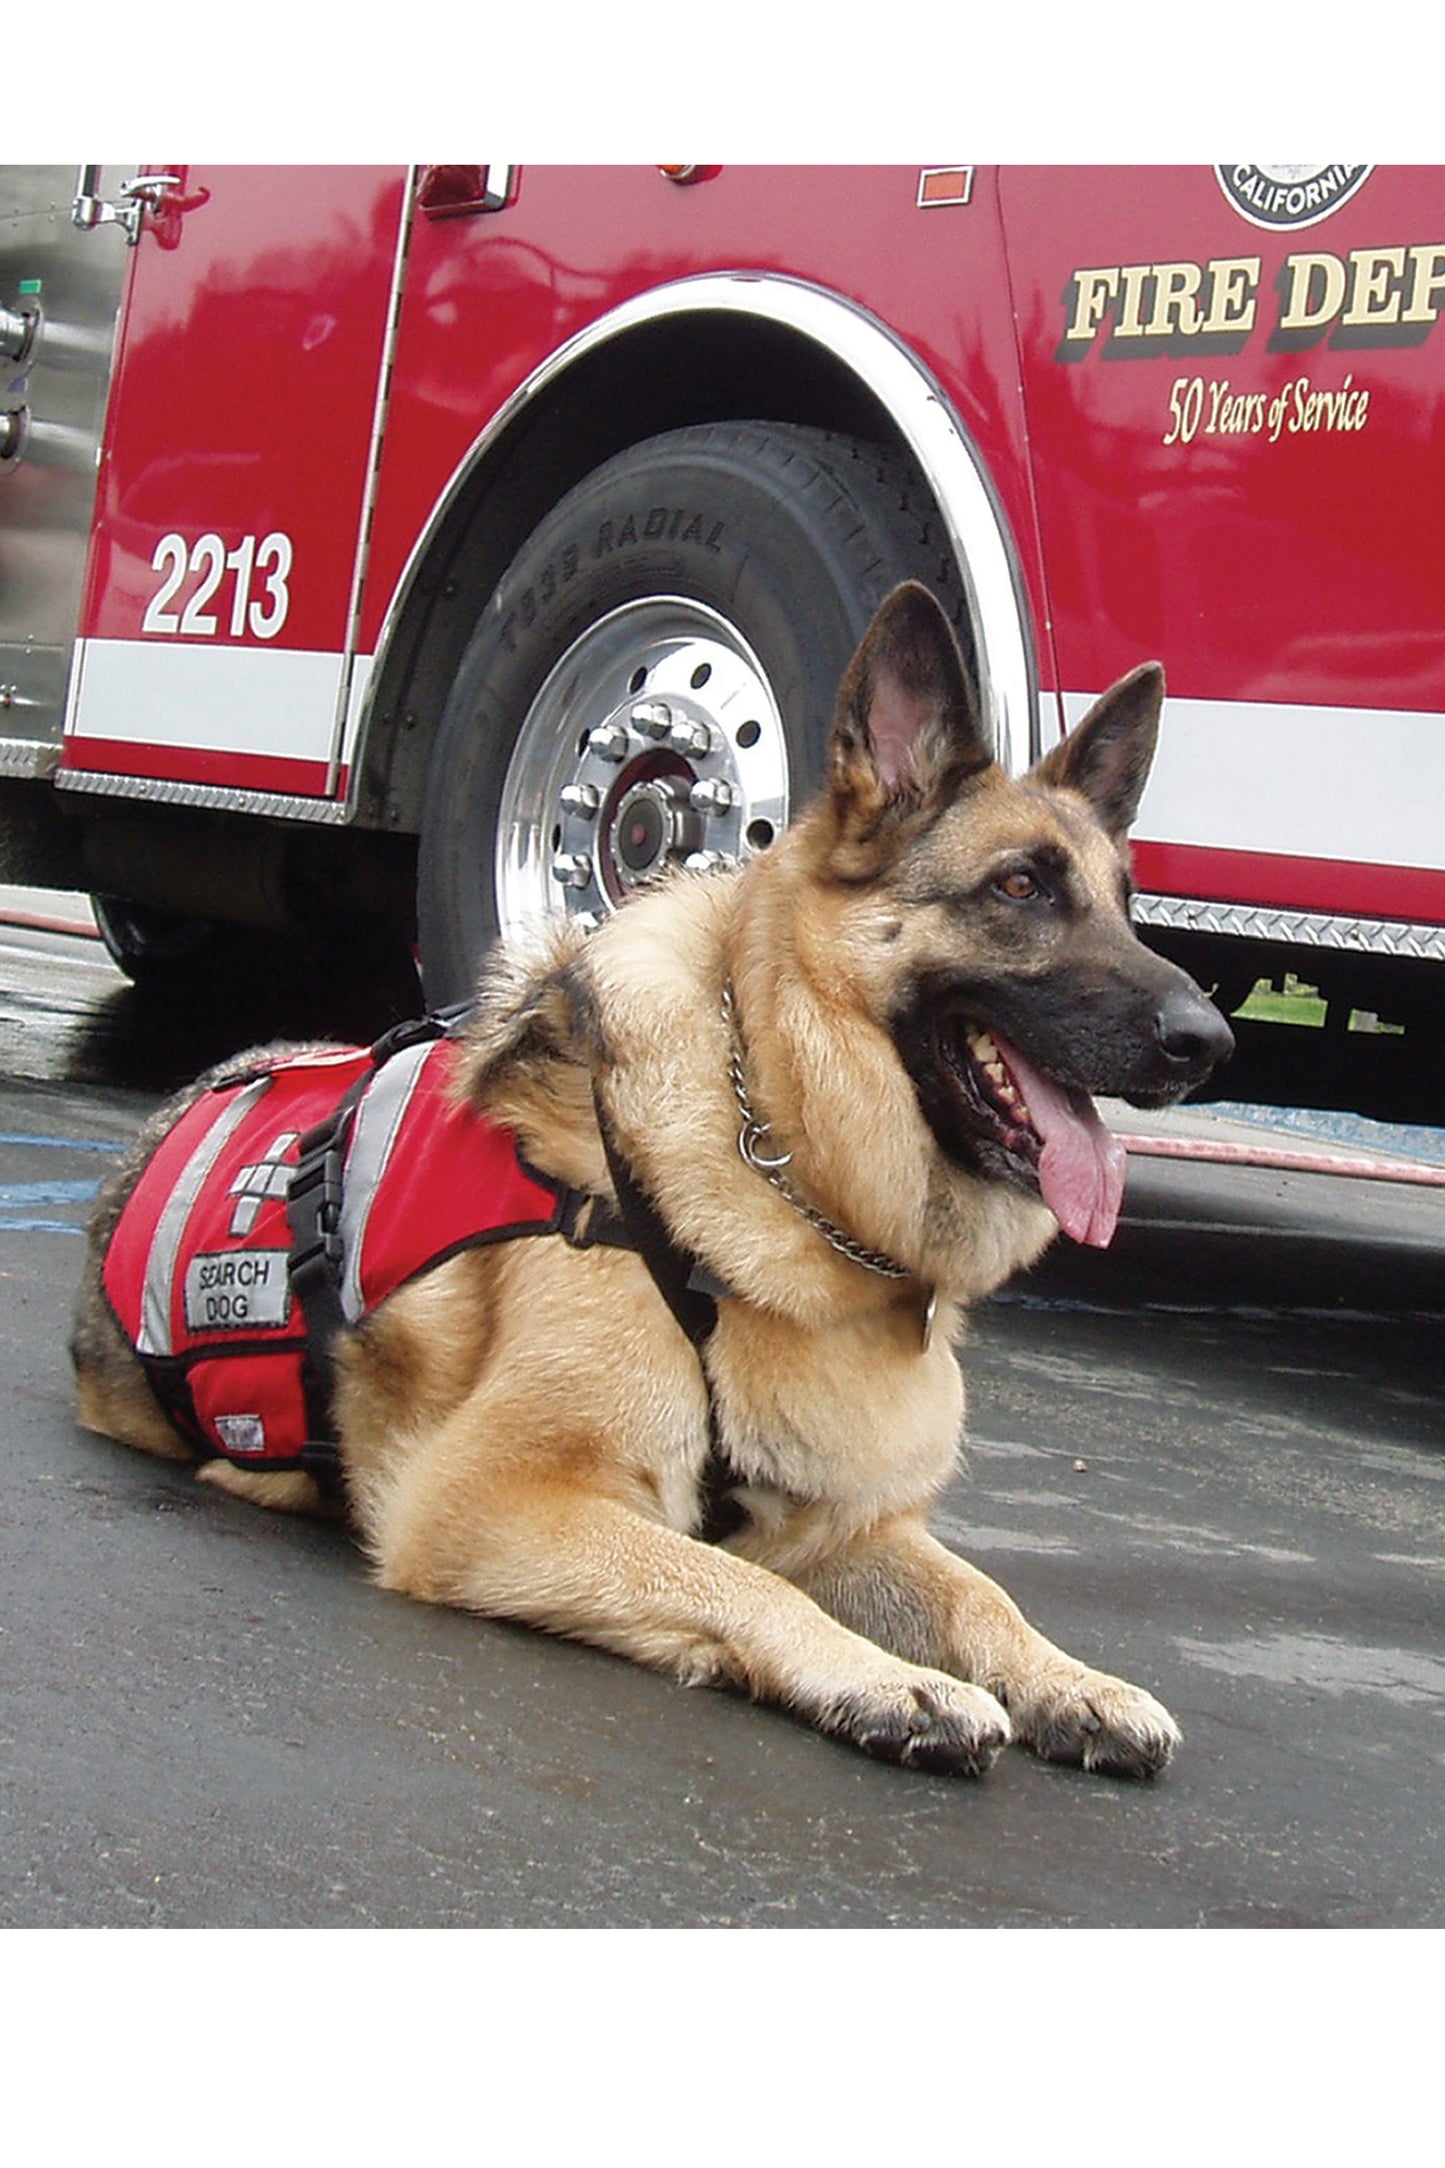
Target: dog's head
1005 966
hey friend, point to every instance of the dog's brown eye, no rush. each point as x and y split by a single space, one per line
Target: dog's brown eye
1019 886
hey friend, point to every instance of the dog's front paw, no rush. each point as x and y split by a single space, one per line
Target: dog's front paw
924 1720
1101 1723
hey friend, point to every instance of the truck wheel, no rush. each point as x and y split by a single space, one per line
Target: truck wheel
351 979
654 678
156 949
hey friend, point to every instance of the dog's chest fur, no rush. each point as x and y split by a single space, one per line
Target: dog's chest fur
886 1442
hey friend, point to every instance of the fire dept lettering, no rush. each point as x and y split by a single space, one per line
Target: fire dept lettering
1383 296
1162 301
237 1291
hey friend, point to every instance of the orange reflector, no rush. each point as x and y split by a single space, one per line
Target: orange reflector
944 184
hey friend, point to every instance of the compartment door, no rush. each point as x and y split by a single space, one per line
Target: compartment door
216 659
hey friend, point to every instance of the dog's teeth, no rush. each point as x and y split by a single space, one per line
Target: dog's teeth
1001 1080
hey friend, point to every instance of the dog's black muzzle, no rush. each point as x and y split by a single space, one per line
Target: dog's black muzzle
1131 1026
1169 1036
1192 1037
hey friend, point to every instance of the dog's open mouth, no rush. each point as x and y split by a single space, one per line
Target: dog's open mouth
1050 1135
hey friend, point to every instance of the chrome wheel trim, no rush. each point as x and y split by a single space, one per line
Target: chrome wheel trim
655 740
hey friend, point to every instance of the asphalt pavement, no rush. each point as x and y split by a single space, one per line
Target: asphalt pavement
1211 1458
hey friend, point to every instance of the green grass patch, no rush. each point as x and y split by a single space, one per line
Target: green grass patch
1296 1003
1293 1004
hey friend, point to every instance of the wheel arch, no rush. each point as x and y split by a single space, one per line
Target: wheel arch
719 347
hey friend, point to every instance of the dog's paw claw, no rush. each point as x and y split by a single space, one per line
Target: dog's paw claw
1102 1725
937 1724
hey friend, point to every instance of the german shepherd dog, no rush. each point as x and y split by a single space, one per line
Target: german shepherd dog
900 1011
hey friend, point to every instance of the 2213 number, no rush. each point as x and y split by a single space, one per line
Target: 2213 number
260 594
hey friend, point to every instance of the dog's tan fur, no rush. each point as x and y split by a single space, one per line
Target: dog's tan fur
523 1430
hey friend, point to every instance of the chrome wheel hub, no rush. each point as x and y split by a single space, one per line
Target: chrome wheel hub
655 741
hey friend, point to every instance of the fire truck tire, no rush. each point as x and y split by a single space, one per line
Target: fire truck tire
320 969
156 948
654 677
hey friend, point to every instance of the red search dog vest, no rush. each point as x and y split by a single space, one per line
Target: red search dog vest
292 1201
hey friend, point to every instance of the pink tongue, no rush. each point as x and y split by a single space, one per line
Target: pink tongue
1082 1169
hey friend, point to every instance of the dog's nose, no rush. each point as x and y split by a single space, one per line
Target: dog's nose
1192 1032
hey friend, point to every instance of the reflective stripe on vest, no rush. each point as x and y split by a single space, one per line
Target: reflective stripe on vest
373 1140
158 1296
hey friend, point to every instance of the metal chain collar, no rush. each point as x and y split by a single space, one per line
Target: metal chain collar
752 1137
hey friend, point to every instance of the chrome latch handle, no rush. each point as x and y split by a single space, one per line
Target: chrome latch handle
91 209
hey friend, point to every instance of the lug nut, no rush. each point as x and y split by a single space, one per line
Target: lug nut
711 795
691 738
653 718
572 870
583 798
610 740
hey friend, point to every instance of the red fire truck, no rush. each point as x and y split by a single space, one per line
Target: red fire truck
404 551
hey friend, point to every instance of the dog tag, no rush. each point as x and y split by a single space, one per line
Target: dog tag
930 1311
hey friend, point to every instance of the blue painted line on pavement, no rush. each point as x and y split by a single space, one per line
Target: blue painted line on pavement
14 1196
22 1203
63 1144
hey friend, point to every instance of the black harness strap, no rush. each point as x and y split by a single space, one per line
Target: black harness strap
690 1292
313 1209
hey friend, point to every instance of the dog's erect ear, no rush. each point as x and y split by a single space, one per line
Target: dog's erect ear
907 726
1106 759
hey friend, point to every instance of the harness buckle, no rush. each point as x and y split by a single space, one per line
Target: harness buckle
314 1197
443 1023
